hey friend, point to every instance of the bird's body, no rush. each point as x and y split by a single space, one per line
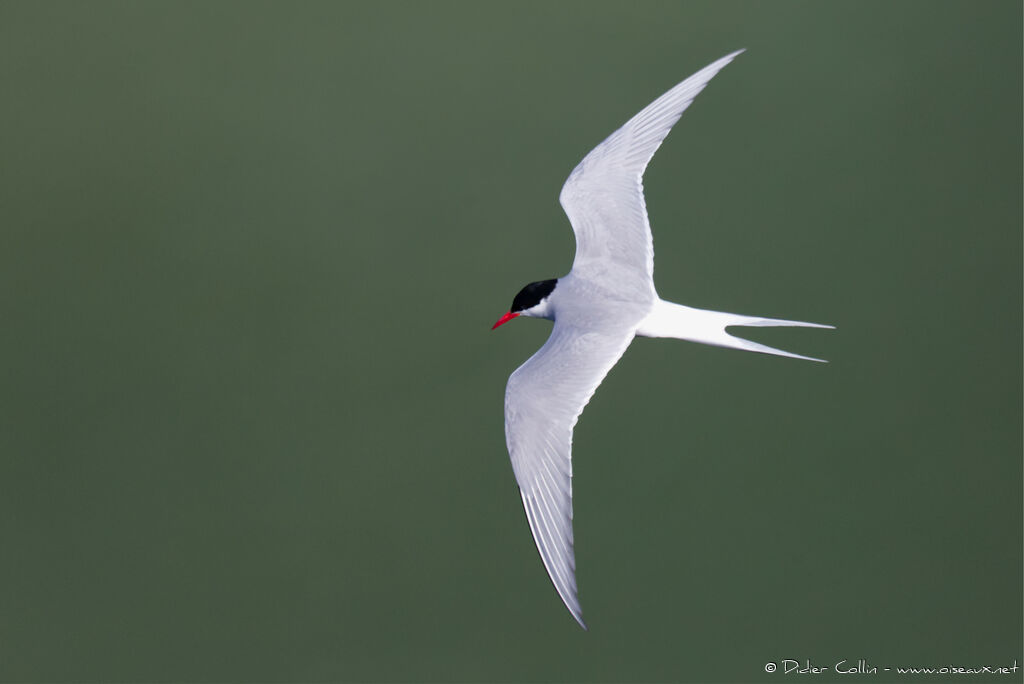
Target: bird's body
606 300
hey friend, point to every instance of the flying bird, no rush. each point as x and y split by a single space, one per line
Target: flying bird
606 300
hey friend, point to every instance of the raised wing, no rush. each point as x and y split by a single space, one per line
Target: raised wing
604 195
543 399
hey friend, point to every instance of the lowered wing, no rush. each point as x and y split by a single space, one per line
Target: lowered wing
543 400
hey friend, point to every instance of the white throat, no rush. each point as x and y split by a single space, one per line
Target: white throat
543 309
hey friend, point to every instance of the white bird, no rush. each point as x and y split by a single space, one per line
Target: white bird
606 300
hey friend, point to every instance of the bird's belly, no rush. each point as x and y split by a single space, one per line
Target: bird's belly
589 302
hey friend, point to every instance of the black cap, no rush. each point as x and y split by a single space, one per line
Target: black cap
532 295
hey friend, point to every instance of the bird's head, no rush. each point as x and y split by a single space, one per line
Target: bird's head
532 301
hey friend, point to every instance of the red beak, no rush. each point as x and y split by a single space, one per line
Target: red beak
504 319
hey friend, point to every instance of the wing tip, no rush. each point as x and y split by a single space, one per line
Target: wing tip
562 575
731 56
572 603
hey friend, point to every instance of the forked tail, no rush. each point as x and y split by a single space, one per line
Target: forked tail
708 327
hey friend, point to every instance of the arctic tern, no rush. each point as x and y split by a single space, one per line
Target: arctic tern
606 300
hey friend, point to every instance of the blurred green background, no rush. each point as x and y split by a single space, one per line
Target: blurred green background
252 409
